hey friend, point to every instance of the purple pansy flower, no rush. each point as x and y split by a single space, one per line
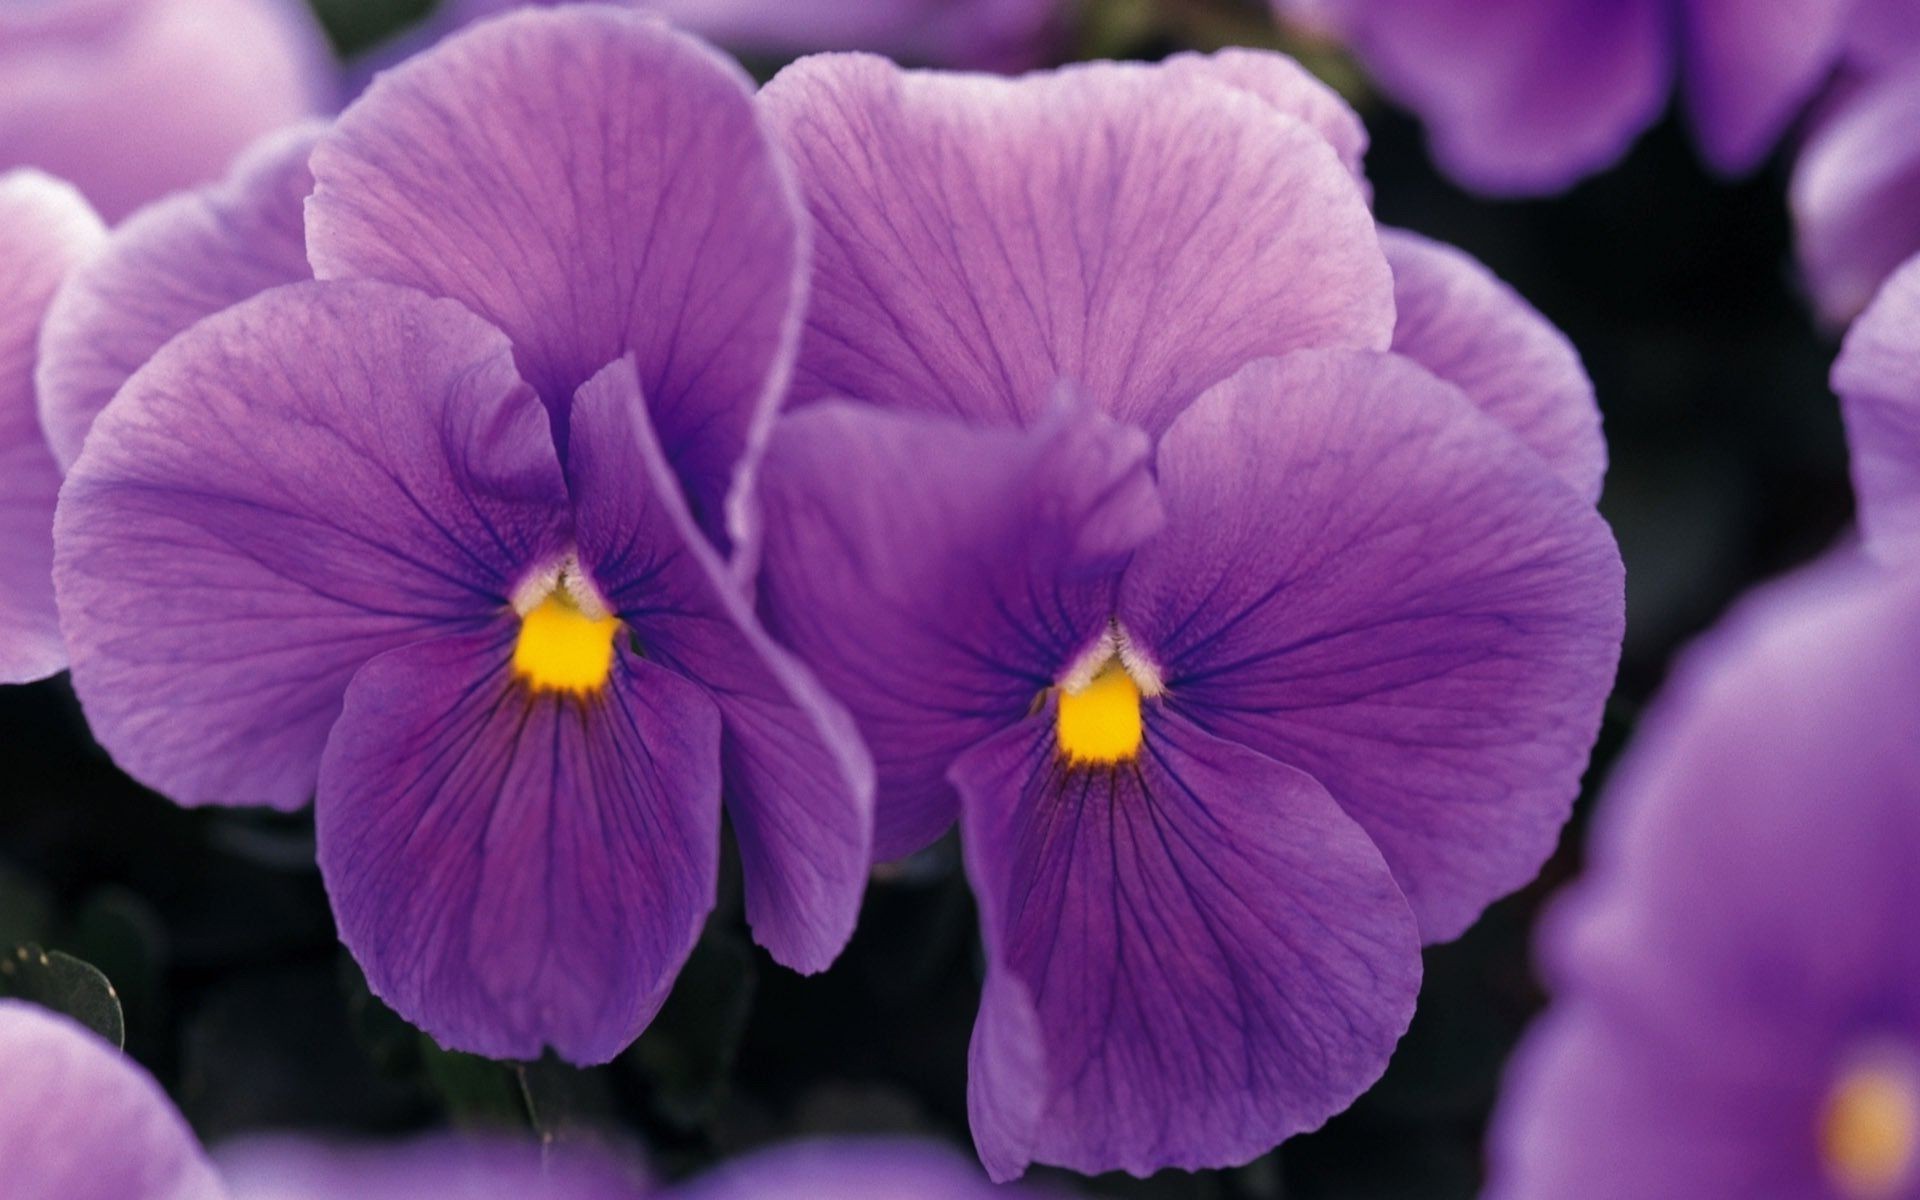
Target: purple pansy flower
1527 96
436 535
1737 989
1856 188
1250 652
132 99
45 228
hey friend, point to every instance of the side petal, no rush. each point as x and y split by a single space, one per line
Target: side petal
1138 233
517 871
187 257
596 185
1215 956
81 1121
45 228
1366 578
1749 68
1522 96
292 487
939 576
1462 323
798 783
1856 193
1878 379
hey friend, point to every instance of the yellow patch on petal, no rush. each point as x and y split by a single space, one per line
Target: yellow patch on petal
562 649
1100 723
1870 1131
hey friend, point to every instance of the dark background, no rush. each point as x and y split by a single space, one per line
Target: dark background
1728 468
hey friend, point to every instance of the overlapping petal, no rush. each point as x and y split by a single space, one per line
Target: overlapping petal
517 871
1290 88
300 483
133 99
1459 321
595 185
173 263
1878 379
1856 193
45 228
1139 233
939 576
1364 577
1749 68
81 1122
1212 955
799 785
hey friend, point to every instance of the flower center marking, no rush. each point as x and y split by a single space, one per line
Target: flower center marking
1098 720
1870 1130
566 634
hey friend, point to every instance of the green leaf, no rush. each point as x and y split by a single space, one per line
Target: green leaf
66 985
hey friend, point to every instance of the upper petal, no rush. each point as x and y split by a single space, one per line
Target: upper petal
799 785
174 262
940 576
1878 379
45 228
515 870
1137 232
293 486
1290 89
1212 956
1750 67
1459 321
81 1121
133 100
1366 578
596 185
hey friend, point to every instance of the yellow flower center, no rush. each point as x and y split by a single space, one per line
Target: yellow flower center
562 649
1870 1131
1100 723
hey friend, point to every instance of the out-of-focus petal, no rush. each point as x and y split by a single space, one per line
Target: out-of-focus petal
1462 323
1136 233
850 1169
1749 67
1214 957
1856 193
1521 96
939 577
444 1167
1290 88
187 257
318 475
798 782
596 185
516 871
1883 33
80 1121
133 99
1366 578
1878 379
45 228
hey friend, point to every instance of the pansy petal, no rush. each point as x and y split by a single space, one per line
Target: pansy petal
436 1167
849 1169
1749 68
798 783
1883 33
1290 88
516 870
940 576
1856 193
184 258
1368 579
133 99
293 486
81 1121
596 185
1459 321
1136 233
1878 379
45 228
1215 956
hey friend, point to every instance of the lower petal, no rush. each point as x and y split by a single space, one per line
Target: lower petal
1210 956
517 871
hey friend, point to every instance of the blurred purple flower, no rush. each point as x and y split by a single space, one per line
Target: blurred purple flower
45 228
1878 380
132 99
1856 189
1737 990
1529 96
1261 659
329 537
